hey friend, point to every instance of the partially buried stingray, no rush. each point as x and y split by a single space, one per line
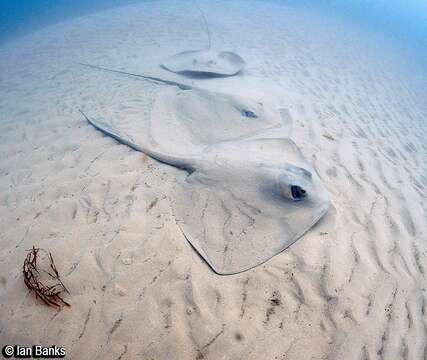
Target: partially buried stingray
205 62
248 194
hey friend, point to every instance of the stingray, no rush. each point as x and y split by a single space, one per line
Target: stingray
205 62
193 117
246 192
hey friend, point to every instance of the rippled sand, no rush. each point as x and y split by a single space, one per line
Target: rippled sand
352 288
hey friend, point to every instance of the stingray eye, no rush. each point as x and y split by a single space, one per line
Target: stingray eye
298 193
248 114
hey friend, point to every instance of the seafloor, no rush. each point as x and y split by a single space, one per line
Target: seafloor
352 288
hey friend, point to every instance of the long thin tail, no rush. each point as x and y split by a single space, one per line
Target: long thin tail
208 32
178 162
145 77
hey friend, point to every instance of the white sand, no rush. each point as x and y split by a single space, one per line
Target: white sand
352 288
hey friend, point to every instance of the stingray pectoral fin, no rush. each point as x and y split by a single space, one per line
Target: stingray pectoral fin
185 163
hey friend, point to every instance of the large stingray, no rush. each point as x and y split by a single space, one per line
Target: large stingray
248 193
205 62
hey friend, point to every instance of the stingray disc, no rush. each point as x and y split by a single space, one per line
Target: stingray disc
193 62
194 118
236 215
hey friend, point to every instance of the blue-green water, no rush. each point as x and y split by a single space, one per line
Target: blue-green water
23 16
403 20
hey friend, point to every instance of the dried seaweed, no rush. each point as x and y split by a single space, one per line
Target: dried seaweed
47 288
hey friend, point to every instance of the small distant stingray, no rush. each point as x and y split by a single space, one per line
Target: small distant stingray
205 63
248 192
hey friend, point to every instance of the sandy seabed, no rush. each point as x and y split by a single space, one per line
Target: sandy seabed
354 287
